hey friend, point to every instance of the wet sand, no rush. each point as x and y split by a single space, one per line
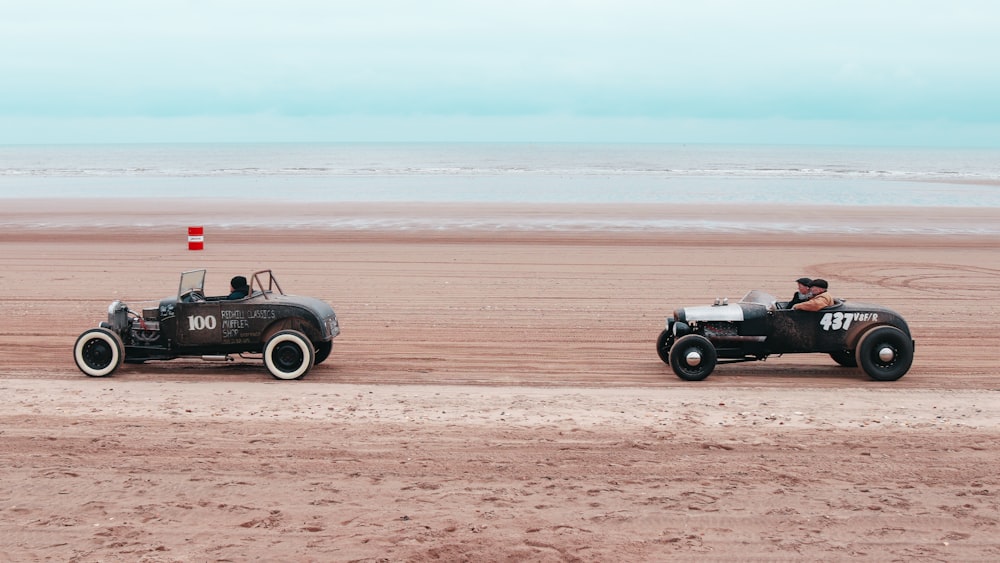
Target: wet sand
495 394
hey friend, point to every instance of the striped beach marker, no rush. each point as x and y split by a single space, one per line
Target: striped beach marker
196 238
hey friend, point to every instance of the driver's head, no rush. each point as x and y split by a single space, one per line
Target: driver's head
804 284
238 282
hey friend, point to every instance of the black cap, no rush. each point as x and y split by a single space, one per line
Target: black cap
819 283
238 281
804 281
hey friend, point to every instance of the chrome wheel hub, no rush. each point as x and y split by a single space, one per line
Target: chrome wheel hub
886 354
693 358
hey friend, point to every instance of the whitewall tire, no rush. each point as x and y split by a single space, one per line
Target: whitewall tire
289 355
98 352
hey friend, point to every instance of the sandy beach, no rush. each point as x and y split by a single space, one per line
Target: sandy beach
495 394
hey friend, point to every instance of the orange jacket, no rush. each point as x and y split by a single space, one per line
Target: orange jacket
820 301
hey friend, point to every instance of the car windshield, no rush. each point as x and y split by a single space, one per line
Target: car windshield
192 281
759 297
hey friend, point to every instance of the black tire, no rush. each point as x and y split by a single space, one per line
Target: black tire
98 352
663 344
693 357
885 353
322 351
845 358
289 355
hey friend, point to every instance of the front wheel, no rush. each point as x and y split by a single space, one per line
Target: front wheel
322 351
885 353
98 352
289 355
663 344
693 357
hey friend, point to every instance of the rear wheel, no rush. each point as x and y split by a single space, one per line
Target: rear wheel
288 355
693 357
98 352
845 358
885 353
663 345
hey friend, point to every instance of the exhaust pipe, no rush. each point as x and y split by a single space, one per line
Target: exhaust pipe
226 358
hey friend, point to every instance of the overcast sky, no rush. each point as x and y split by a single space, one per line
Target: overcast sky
797 71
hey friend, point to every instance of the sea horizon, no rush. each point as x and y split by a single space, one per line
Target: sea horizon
714 180
507 172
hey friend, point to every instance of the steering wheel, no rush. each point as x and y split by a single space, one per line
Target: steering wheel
192 296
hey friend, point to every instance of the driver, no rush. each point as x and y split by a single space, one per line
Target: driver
801 292
238 288
819 298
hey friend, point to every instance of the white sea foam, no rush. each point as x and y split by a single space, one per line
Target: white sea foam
374 223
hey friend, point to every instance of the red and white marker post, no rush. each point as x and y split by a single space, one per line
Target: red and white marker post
196 238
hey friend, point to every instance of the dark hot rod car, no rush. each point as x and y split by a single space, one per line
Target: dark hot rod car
291 333
854 334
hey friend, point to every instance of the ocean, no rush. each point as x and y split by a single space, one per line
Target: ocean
520 173
531 173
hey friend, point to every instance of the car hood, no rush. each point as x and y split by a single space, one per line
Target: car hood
713 313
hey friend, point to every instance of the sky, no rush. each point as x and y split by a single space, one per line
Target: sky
871 72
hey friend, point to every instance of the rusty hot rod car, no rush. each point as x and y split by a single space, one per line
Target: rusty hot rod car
291 333
854 334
